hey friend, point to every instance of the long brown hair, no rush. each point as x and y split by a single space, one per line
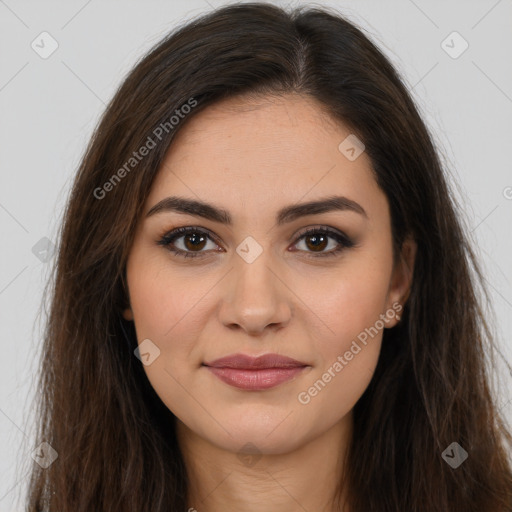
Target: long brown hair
115 439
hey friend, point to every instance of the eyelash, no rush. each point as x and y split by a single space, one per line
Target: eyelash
344 241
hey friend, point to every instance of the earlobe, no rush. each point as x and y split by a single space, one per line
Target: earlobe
128 314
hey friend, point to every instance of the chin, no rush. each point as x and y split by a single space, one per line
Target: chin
251 441
268 437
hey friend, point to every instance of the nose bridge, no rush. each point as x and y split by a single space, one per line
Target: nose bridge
255 297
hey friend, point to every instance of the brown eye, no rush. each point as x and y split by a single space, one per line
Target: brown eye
188 242
316 240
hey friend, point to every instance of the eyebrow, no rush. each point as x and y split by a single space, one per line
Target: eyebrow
285 215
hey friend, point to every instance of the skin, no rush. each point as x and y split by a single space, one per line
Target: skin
253 156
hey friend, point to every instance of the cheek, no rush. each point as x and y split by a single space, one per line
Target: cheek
350 304
164 309
349 301
348 354
170 308
162 301
332 392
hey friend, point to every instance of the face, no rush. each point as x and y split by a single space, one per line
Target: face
263 275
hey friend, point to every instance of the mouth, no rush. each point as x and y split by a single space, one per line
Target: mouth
255 374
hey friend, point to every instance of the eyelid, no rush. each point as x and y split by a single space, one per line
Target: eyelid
323 229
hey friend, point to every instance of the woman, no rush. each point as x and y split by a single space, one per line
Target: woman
264 298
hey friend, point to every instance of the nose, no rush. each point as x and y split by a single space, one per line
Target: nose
255 298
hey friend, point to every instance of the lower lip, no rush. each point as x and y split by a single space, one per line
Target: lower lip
256 380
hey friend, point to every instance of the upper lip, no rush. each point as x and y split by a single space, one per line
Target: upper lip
245 362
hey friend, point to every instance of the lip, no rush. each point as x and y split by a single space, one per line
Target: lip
245 362
255 373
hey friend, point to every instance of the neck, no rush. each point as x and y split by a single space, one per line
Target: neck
304 479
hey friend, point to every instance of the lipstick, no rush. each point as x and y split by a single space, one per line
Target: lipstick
255 373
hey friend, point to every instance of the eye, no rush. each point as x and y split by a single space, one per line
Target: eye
317 239
195 239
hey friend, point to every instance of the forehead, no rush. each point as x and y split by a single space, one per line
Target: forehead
256 152
267 128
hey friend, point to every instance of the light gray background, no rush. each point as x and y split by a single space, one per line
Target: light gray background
50 106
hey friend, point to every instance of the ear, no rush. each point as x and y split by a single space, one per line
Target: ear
401 279
127 312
